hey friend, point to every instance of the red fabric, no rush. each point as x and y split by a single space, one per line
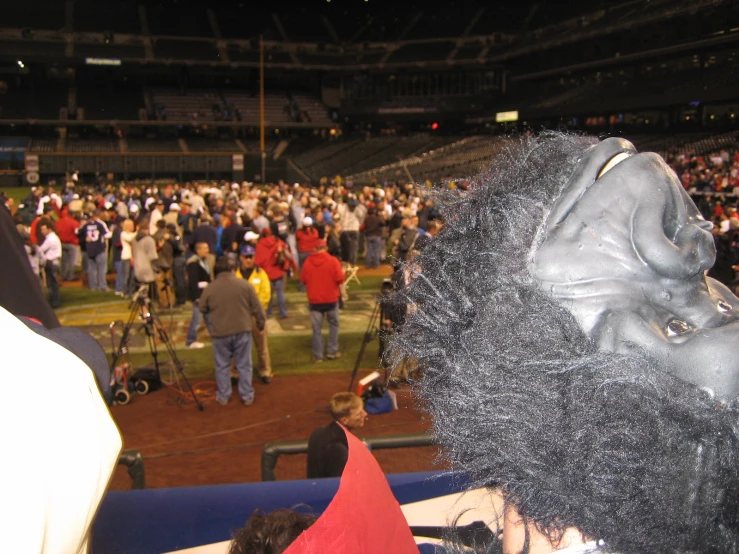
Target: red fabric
66 229
322 275
363 517
266 256
32 231
307 238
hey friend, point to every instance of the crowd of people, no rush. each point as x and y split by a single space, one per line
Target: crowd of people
170 238
578 363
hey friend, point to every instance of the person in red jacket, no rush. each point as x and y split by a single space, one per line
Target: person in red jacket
306 237
322 275
274 257
66 229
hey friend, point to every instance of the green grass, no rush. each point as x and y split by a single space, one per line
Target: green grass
290 355
370 283
17 193
78 296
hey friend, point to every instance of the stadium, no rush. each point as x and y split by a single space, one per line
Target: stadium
275 133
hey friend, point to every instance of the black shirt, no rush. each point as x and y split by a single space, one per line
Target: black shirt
327 452
20 289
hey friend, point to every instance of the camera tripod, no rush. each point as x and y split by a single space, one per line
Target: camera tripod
142 307
375 327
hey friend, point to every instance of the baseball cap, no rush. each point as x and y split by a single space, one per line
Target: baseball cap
247 250
307 220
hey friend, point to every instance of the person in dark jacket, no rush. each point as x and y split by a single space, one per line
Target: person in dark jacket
327 447
95 235
208 233
372 228
179 265
233 235
198 277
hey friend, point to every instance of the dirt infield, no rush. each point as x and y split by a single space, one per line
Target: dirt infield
182 446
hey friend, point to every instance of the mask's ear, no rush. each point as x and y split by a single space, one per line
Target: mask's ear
61 444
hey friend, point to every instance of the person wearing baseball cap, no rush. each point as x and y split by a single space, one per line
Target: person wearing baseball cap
306 237
322 276
258 279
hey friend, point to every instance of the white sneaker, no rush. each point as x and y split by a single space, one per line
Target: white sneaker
196 344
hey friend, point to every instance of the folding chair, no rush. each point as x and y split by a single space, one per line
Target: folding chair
350 274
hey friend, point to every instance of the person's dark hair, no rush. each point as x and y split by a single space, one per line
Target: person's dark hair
223 264
522 399
44 222
270 533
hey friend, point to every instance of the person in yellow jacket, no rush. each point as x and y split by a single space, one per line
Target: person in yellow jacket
259 279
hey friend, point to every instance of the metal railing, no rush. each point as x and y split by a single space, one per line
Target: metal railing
272 451
133 460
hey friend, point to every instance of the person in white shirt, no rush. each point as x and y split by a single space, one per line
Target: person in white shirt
128 235
51 249
156 214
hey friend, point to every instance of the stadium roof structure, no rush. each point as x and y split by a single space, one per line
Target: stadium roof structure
333 35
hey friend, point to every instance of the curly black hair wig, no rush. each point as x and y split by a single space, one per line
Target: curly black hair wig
522 399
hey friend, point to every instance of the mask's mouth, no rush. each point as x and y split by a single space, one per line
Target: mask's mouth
595 164
613 162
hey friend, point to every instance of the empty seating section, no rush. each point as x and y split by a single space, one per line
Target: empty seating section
210 106
315 156
153 145
415 51
212 145
109 101
38 102
178 49
278 110
197 106
713 143
461 159
97 145
254 146
362 155
42 145
97 50
23 50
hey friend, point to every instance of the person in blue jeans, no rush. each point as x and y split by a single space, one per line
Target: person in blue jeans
231 303
95 235
322 275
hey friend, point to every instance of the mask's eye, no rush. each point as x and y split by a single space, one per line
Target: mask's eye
613 162
677 327
723 307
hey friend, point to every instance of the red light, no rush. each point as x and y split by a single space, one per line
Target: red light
434 126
